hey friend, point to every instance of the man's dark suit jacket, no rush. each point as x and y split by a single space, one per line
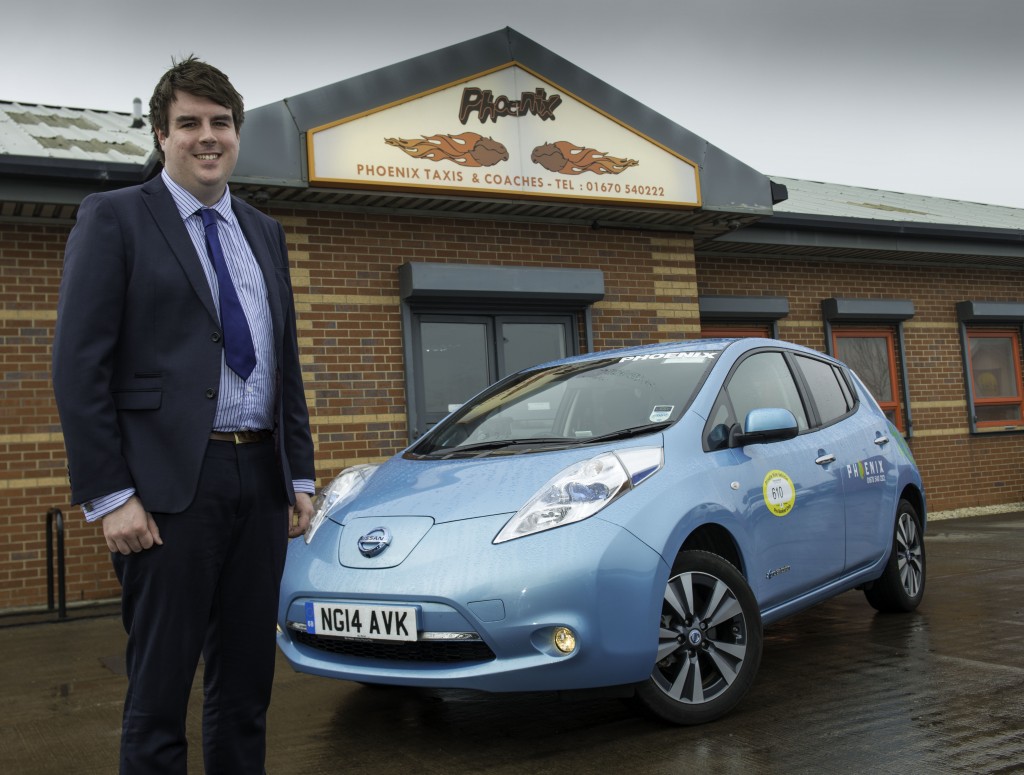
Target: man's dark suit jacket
137 350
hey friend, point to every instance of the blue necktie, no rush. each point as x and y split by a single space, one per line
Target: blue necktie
238 348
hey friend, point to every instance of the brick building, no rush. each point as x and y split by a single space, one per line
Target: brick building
449 221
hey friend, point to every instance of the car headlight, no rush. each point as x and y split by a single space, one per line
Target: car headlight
344 487
582 490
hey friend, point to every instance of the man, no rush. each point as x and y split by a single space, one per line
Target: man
198 459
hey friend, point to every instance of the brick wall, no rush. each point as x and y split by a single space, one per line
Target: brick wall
960 470
345 276
33 476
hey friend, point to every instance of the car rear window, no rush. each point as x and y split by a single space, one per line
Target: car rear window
827 389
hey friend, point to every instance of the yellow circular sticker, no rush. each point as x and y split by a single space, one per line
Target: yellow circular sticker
779 493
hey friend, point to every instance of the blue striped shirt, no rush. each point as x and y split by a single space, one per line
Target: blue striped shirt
241 404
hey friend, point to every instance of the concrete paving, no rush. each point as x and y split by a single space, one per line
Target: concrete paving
841 690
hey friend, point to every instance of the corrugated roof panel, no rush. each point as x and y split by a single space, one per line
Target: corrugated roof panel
70 133
808 197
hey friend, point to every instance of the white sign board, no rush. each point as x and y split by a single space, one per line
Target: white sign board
506 132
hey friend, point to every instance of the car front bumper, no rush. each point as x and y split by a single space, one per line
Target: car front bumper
487 613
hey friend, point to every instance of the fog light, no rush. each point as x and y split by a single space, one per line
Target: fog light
565 640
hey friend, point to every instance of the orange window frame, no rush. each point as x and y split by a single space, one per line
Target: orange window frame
1012 401
893 405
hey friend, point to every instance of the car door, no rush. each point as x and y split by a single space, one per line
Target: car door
867 460
788 493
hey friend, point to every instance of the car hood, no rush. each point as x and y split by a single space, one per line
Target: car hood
454 489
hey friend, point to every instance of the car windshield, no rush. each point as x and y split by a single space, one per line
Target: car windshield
579 402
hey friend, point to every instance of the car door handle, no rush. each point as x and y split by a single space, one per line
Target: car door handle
882 440
824 460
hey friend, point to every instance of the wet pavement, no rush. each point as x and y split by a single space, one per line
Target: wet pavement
841 689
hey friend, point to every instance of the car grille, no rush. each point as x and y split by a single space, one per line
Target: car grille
419 651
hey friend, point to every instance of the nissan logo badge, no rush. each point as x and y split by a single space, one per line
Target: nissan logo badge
373 543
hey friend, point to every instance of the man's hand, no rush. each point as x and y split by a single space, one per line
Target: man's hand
130 528
299 515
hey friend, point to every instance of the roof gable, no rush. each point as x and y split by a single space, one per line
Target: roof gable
273 151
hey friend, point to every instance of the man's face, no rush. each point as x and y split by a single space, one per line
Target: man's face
200 147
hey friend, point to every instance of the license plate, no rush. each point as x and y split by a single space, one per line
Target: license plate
370 622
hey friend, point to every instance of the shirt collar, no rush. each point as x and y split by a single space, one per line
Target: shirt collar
187 204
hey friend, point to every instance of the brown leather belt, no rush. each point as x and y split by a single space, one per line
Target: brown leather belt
240 437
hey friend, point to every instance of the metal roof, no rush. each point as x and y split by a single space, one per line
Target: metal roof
48 132
51 157
809 197
831 222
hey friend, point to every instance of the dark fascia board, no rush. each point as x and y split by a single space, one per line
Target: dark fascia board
826 233
273 148
867 310
743 307
990 312
73 169
780 228
445 281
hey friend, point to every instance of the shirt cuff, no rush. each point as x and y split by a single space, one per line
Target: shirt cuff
99 507
304 485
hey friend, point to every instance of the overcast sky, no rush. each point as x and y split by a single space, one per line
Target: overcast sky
918 96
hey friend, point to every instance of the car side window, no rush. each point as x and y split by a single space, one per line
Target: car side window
826 390
760 381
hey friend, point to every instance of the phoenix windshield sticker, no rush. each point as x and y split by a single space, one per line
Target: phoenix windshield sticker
779 493
661 413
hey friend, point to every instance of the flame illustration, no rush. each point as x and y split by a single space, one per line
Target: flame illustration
571 159
468 149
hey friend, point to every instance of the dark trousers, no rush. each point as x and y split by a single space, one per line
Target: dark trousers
211 589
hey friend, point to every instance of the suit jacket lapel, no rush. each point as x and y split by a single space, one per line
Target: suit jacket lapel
161 206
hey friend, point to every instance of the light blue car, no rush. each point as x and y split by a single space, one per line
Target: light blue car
626 519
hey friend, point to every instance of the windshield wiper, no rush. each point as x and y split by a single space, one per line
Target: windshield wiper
625 433
485 446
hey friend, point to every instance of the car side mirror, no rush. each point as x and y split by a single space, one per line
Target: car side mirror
763 426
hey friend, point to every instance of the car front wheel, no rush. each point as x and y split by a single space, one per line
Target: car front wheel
901 586
709 642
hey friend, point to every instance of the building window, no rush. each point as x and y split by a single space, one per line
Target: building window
871 353
994 367
466 326
990 332
867 335
457 356
739 316
721 330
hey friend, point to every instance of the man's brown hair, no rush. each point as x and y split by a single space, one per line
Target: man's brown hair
199 79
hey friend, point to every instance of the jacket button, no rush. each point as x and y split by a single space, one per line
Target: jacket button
215 336
211 393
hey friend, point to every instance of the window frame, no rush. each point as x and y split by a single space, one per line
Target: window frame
973 332
895 405
717 329
981 316
876 315
495 366
805 392
741 316
484 289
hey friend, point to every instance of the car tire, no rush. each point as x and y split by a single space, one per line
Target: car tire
901 586
709 644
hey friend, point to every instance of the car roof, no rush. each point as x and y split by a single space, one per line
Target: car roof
684 345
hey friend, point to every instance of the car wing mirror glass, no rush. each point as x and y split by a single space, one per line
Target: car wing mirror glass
763 426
